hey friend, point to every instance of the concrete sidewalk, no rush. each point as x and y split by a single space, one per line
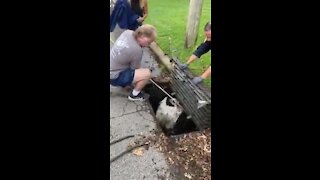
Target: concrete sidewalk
131 118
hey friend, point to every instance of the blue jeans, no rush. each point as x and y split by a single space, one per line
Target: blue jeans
124 79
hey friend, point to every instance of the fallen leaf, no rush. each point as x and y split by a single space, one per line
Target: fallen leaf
207 149
202 136
138 151
187 175
171 161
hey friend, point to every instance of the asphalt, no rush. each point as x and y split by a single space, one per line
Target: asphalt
132 118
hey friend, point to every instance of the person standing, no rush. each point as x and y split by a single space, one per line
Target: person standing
140 7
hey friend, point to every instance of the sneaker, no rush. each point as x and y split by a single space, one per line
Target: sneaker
140 97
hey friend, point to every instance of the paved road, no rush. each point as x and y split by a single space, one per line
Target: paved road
127 118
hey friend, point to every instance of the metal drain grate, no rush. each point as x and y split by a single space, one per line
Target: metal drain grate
196 102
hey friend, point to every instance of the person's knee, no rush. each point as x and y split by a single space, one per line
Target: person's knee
142 74
148 73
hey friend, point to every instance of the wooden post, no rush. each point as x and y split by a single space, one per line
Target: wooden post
195 8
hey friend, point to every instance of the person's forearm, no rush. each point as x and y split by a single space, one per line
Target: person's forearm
135 65
144 16
192 58
206 73
145 10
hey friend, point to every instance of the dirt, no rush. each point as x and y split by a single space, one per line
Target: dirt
188 155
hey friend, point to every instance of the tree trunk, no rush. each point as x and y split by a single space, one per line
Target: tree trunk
195 8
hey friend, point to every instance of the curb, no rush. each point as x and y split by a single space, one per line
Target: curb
164 59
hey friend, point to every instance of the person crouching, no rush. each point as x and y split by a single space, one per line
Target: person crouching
125 60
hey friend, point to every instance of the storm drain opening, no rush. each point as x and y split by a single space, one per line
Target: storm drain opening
159 102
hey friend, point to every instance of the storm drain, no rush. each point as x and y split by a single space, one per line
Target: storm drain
183 124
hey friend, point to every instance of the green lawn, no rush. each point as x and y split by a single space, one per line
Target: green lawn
170 18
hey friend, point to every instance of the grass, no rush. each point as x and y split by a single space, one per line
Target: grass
170 18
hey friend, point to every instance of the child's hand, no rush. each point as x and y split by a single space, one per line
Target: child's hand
140 19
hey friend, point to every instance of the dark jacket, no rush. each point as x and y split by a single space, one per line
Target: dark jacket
124 16
202 49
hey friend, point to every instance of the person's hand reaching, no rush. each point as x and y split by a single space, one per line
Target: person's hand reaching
197 80
140 20
183 66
